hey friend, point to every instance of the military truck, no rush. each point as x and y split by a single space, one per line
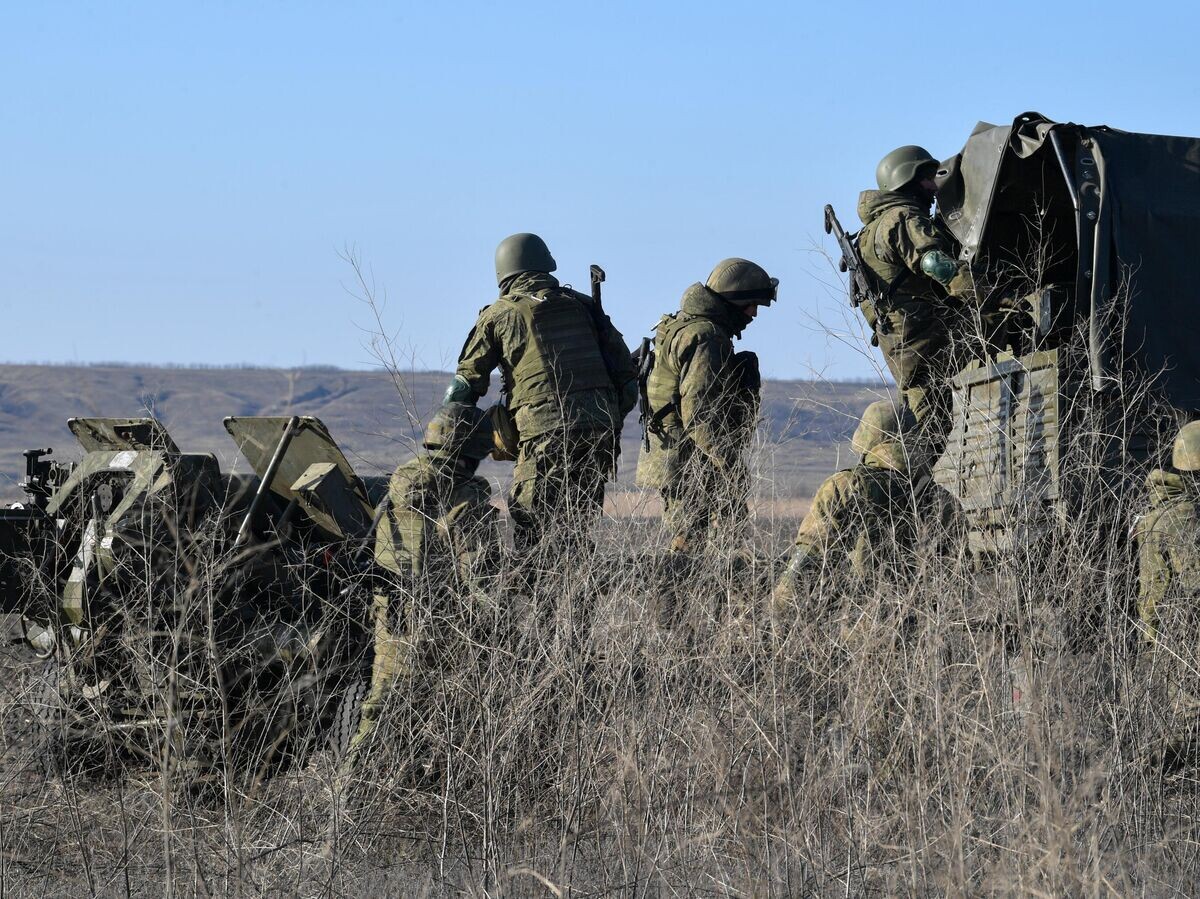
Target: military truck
1081 241
205 623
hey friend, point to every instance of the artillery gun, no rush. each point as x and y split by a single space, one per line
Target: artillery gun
205 623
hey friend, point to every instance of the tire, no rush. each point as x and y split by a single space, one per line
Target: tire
348 717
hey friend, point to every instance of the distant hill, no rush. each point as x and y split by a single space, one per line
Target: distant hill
376 417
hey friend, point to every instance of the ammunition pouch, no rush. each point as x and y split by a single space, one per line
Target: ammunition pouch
747 375
506 439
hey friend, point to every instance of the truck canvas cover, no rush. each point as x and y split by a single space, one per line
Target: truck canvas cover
1132 202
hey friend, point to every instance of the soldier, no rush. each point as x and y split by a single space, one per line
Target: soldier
438 541
703 402
568 381
1168 542
864 518
912 259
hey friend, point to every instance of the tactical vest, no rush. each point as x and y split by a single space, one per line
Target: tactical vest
893 278
562 355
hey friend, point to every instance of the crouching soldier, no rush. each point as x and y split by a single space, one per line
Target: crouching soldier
702 400
864 520
439 546
1168 543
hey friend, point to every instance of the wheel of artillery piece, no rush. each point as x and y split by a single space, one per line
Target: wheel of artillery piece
348 717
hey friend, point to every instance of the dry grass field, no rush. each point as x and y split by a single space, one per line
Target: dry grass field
623 726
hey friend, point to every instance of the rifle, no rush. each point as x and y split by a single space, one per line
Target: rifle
603 324
861 287
645 357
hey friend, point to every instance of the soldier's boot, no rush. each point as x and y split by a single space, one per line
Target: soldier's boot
393 659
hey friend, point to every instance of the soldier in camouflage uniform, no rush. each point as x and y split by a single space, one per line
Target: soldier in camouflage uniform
569 382
1168 542
912 259
864 518
703 400
438 544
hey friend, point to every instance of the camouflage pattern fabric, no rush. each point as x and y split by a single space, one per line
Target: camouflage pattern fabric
704 404
709 502
559 371
864 519
1168 543
441 539
440 525
916 331
394 659
558 488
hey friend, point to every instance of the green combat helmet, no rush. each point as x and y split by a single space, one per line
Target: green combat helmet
881 433
459 430
1185 454
743 283
522 253
901 166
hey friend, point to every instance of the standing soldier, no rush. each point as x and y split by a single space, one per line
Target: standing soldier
864 519
1168 542
568 381
912 260
703 402
439 544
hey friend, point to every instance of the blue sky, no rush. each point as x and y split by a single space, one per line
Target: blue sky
180 181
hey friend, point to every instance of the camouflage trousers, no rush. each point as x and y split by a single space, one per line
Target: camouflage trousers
1171 667
558 489
416 634
915 337
923 348
705 503
932 407
394 652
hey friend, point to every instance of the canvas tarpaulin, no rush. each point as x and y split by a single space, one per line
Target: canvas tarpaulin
1137 236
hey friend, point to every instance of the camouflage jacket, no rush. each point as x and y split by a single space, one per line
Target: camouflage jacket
1168 543
864 518
440 524
897 232
703 399
569 374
